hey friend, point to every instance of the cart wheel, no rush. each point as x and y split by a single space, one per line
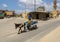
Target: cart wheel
35 26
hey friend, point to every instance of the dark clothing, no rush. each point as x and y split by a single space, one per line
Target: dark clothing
29 17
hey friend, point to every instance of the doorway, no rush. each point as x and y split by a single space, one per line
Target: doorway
37 16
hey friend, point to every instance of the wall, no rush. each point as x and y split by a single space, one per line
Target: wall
9 13
39 15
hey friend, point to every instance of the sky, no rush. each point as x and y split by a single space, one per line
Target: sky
19 5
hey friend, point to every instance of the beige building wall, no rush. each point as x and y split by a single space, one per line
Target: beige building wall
9 12
25 15
54 14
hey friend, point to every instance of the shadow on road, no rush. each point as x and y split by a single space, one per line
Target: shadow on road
31 29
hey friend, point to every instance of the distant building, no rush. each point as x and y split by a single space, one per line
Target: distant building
58 12
9 13
1 14
41 8
40 13
25 14
2 11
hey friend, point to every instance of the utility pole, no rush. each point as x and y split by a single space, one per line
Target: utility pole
35 5
25 8
25 11
55 6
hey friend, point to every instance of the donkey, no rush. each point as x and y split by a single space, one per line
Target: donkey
20 25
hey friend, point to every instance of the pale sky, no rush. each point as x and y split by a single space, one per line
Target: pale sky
19 5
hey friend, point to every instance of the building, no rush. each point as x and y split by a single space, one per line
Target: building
2 11
41 8
40 13
9 13
58 12
25 14
1 14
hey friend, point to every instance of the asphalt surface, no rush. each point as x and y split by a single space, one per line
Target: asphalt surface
53 36
9 34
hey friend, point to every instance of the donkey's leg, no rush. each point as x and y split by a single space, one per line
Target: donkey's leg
15 26
19 31
24 28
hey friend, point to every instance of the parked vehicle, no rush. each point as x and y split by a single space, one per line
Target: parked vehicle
1 15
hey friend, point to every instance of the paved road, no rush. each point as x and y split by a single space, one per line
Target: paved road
45 30
53 36
9 34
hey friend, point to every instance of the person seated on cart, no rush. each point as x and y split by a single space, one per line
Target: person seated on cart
28 23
